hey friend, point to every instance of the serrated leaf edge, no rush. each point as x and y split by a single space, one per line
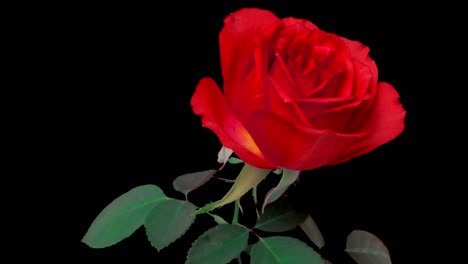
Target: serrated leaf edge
201 183
205 233
181 235
124 210
257 226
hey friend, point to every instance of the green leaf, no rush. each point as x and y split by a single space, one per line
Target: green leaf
219 245
313 233
280 217
248 178
218 219
168 221
123 216
288 178
366 248
278 171
234 160
283 250
189 182
254 195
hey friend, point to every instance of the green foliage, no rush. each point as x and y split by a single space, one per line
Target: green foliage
283 250
312 231
278 171
168 221
218 245
123 216
288 178
248 178
218 219
191 181
366 248
234 160
280 217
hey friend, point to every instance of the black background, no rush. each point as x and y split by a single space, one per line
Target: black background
123 119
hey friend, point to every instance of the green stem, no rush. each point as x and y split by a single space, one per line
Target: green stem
235 218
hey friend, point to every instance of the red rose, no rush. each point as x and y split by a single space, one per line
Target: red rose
295 97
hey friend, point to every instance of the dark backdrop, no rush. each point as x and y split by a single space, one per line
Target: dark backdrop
128 75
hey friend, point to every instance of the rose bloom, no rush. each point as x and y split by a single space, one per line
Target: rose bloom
295 97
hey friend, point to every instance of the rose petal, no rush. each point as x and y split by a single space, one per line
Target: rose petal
250 95
293 147
283 32
278 39
366 69
364 79
291 21
336 120
329 70
286 107
359 115
385 121
302 64
313 107
312 49
237 44
360 52
328 113
261 93
280 73
209 102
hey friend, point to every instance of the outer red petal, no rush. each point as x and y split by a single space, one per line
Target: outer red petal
291 21
292 147
384 123
360 52
365 67
209 102
236 42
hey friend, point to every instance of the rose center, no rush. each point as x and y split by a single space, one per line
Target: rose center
304 60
